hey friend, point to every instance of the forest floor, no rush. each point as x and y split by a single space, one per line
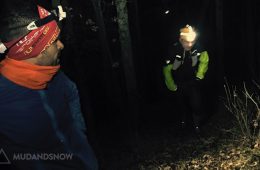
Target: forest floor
165 147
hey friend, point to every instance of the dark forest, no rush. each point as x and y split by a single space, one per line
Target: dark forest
119 73
114 52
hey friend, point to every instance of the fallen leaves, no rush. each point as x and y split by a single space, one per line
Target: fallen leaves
230 155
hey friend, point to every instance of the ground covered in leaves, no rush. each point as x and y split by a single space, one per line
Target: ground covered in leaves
205 153
156 150
166 147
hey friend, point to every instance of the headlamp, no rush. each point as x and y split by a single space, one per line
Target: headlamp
188 33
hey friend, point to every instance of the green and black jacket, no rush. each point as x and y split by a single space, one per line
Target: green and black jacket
184 66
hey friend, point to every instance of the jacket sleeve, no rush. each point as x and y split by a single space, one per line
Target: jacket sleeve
72 96
203 65
169 81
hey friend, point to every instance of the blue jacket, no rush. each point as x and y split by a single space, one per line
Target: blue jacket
45 121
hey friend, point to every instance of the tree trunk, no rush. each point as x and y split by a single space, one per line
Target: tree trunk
112 88
250 37
220 39
128 64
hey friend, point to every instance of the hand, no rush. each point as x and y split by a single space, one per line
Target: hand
197 81
175 89
197 78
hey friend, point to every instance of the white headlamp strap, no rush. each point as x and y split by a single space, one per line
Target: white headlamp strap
2 48
61 14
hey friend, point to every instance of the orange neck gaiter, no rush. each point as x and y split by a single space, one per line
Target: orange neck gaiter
26 74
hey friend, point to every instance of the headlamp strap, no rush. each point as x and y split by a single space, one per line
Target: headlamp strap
58 14
36 24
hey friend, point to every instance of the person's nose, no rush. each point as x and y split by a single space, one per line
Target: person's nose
60 45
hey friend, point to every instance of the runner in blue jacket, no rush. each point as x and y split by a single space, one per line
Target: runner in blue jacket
41 124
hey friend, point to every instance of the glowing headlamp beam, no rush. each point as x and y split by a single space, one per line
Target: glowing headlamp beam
190 35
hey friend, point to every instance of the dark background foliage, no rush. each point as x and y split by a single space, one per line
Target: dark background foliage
229 30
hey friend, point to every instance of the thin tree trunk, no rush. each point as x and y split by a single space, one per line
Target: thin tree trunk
112 88
128 64
220 38
250 37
